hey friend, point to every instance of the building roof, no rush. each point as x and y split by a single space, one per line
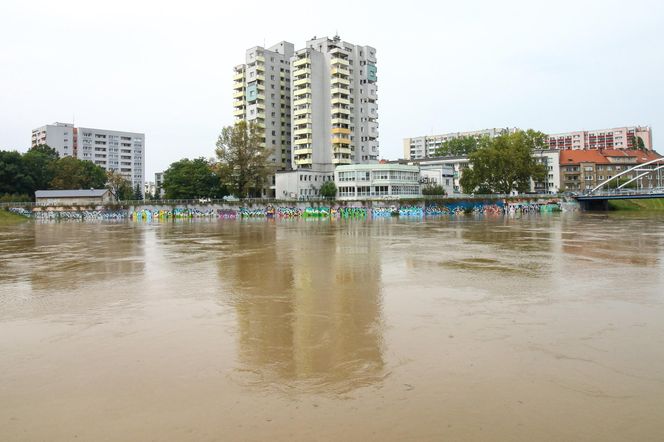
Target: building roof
70 193
570 156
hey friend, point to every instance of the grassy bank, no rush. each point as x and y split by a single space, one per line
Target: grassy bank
8 217
645 204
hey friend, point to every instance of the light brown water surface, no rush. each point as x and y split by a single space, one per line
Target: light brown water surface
545 327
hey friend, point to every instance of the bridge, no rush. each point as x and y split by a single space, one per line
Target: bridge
646 182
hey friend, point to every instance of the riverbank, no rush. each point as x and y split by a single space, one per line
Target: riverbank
7 217
637 204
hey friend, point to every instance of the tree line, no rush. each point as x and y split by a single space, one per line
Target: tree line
241 168
41 168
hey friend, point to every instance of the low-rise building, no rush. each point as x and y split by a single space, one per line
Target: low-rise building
386 180
582 170
300 183
74 197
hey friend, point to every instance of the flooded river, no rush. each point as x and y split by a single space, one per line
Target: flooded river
545 327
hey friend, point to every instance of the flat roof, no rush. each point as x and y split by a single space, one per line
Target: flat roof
70 193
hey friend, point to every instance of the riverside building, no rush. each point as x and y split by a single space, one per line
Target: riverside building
617 138
386 180
425 146
262 95
333 113
122 152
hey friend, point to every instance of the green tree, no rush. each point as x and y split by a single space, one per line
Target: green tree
39 162
328 189
433 189
505 163
243 162
461 146
15 178
189 179
72 173
119 186
138 193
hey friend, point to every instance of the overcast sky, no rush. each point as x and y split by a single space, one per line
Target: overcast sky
165 68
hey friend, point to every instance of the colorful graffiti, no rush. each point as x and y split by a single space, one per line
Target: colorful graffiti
430 209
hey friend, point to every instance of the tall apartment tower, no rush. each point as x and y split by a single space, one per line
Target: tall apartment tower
261 93
334 104
123 152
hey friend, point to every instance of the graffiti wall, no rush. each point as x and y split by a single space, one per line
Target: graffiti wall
371 210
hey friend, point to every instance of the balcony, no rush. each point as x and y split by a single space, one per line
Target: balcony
302 101
238 112
303 120
339 62
301 112
341 160
305 151
303 141
303 161
340 90
343 150
338 100
337 140
301 72
304 131
302 91
238 94
340 121
238 103
340 130
301 82
238 76
339 110
338 80
301 62
340 71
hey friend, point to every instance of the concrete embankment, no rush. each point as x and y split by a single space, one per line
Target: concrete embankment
282 208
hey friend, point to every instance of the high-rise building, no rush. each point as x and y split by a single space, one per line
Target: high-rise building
335 104
425 146
317 108
261 93
123 152
626 137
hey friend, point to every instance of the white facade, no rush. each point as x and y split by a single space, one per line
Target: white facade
614 138
425 146
261 94
123 152
438 175
364 181
59 136
334 105
551 160
301 183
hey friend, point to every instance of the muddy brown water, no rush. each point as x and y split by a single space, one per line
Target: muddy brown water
546 327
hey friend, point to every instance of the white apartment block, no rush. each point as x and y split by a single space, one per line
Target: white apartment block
335 105
615 138
425 146
261 94
550 159
123 152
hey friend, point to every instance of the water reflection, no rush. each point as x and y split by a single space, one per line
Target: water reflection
81 254
308 303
